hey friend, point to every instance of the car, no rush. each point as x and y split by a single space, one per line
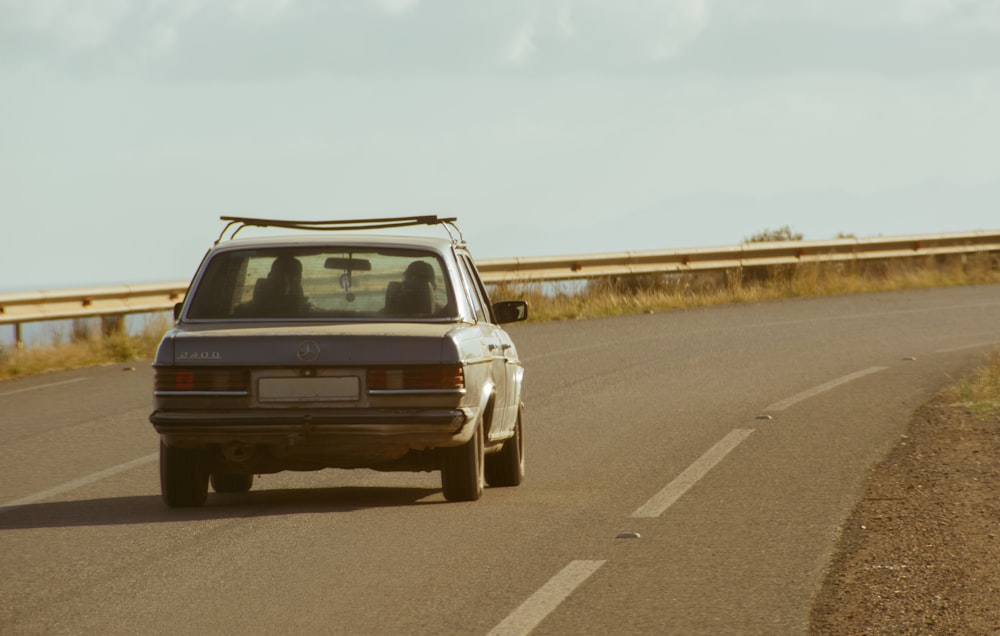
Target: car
337 344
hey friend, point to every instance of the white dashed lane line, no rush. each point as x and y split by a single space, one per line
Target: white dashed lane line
41 386
77 483
977 345
813 392
540 604
673 491
534 610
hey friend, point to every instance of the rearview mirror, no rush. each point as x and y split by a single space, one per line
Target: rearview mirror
348 264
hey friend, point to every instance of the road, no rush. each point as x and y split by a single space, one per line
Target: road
688 473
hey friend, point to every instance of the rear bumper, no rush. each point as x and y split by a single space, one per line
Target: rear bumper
416 428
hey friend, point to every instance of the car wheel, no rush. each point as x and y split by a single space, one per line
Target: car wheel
462 474
506 468
183 478
231 482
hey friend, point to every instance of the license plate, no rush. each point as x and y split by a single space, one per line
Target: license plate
308 389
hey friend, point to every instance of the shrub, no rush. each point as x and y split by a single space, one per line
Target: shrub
770 236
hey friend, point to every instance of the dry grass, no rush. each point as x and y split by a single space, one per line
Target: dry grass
84 346
648 293
979 390
603 297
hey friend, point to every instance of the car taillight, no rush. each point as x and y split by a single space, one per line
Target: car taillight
201 379
417 378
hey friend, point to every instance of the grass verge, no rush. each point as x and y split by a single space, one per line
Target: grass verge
979 390
648 293
84 346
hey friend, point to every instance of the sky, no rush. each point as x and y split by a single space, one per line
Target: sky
128 127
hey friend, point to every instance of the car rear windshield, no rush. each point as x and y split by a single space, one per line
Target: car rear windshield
315 284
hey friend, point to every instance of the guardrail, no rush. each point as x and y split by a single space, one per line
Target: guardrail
18 308
703 259
36 306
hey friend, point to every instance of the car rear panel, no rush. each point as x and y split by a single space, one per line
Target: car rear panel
262 384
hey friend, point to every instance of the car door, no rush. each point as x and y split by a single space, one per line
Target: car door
506 366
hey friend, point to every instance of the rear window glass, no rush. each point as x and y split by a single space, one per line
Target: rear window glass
310 283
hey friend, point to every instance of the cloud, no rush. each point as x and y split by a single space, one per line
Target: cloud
261 11
565 26
522 46
600 37
682 22
396 7
72 26
974 15
373 36
69 28
235 40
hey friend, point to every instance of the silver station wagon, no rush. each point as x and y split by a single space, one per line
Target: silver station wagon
331 349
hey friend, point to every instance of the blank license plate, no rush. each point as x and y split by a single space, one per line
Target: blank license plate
308 389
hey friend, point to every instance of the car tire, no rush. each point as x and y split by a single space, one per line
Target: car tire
506 468
231 482
462 471
183 478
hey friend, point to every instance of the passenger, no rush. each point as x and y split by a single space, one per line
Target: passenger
414 296
417 274
280 294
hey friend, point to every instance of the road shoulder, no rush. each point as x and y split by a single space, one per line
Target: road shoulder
920 553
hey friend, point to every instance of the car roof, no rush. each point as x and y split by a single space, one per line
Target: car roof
436 244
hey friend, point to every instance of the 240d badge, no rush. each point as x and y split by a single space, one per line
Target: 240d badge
199 355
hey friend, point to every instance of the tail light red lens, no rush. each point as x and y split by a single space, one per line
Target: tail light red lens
208 379
417 378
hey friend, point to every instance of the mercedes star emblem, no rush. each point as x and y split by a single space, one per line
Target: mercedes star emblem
308 351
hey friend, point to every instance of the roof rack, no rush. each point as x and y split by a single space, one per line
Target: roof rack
339 225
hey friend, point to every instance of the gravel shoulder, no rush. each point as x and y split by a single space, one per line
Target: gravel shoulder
920 554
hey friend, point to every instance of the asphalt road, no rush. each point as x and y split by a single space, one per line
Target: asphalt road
688 473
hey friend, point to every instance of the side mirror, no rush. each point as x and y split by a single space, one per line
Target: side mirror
177 311
510 311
